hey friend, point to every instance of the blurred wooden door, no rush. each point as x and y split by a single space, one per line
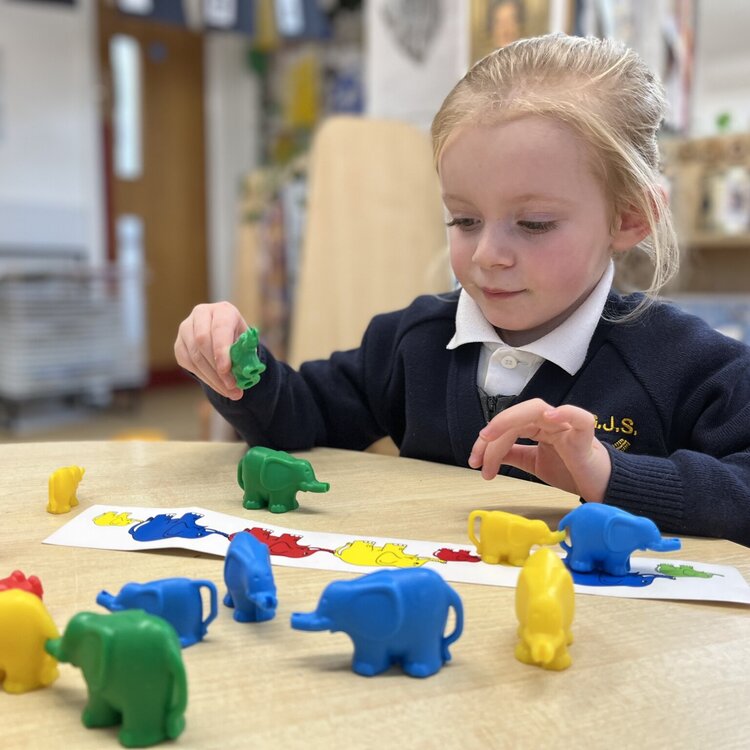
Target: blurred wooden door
168 193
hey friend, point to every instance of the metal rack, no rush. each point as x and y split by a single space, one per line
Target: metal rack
69 334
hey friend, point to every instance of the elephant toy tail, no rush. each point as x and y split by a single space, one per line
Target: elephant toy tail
455 602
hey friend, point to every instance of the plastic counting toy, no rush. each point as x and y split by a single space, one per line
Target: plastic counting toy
544 607
63 484
273 478
246 365
25 626
507 537
392 617
251 589
177 600
602 537
132 664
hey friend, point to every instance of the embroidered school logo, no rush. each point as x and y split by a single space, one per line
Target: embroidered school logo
624 426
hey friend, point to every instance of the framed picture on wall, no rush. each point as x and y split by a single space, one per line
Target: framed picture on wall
495 23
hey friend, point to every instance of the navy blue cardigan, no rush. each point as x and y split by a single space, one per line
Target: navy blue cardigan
671 396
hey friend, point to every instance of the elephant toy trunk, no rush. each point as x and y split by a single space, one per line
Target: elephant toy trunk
310 621
264 600
54 648
315 486
542 651
666 545
107 600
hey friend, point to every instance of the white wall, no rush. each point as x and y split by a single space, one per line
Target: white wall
722 65
50 173
232 145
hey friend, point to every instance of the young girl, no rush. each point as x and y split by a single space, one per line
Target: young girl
547 157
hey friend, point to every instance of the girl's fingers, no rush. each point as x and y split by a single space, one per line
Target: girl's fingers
200 367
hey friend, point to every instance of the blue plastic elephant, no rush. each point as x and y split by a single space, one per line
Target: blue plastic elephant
251 589
603 538
177 600
393 617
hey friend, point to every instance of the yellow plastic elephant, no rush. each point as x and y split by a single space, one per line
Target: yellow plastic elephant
507 537
25 626
63 484
544 607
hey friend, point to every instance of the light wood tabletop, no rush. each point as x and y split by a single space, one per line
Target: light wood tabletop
645 673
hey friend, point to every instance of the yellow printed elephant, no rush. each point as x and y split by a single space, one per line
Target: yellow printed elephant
360 552
544 607
63 484
25 626
112 518
507 537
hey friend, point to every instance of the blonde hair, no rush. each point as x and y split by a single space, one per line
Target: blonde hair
606 94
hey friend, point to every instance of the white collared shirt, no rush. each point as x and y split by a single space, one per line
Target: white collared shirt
505 370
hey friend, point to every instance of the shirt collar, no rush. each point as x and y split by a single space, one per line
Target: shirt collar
566 345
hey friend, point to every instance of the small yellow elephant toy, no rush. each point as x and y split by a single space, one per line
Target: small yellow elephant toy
507 537
63 484
544 607
25 626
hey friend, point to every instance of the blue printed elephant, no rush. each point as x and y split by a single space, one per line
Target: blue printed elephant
393 617
177 600
603 537
166 526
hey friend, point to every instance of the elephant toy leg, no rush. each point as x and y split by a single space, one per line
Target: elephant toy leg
618 564
143 725
282 501
253 499
518 554
579 563
424 659
370 659
99 713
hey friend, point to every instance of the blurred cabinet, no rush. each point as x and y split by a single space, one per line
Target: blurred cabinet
709 181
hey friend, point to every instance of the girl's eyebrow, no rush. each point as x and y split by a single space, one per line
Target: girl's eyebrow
523 198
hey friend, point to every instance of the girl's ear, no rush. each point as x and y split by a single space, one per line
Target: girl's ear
630 228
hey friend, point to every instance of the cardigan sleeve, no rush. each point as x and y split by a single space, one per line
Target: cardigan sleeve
702 485
326 403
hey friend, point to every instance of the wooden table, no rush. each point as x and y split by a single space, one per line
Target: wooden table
661 674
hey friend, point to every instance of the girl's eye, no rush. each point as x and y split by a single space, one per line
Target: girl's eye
538 227
464 224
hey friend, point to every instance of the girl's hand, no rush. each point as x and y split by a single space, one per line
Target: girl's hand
567 455
202 345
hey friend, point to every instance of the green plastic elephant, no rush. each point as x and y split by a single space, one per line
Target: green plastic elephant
132 664
272 478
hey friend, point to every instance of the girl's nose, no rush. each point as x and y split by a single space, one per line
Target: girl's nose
493 247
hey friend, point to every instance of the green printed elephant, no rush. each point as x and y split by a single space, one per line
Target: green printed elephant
132 664
272 478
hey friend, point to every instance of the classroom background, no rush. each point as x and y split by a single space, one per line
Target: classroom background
155 154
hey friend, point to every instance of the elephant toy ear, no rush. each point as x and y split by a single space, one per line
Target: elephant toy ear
94 650
276 472
624 534
377 612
